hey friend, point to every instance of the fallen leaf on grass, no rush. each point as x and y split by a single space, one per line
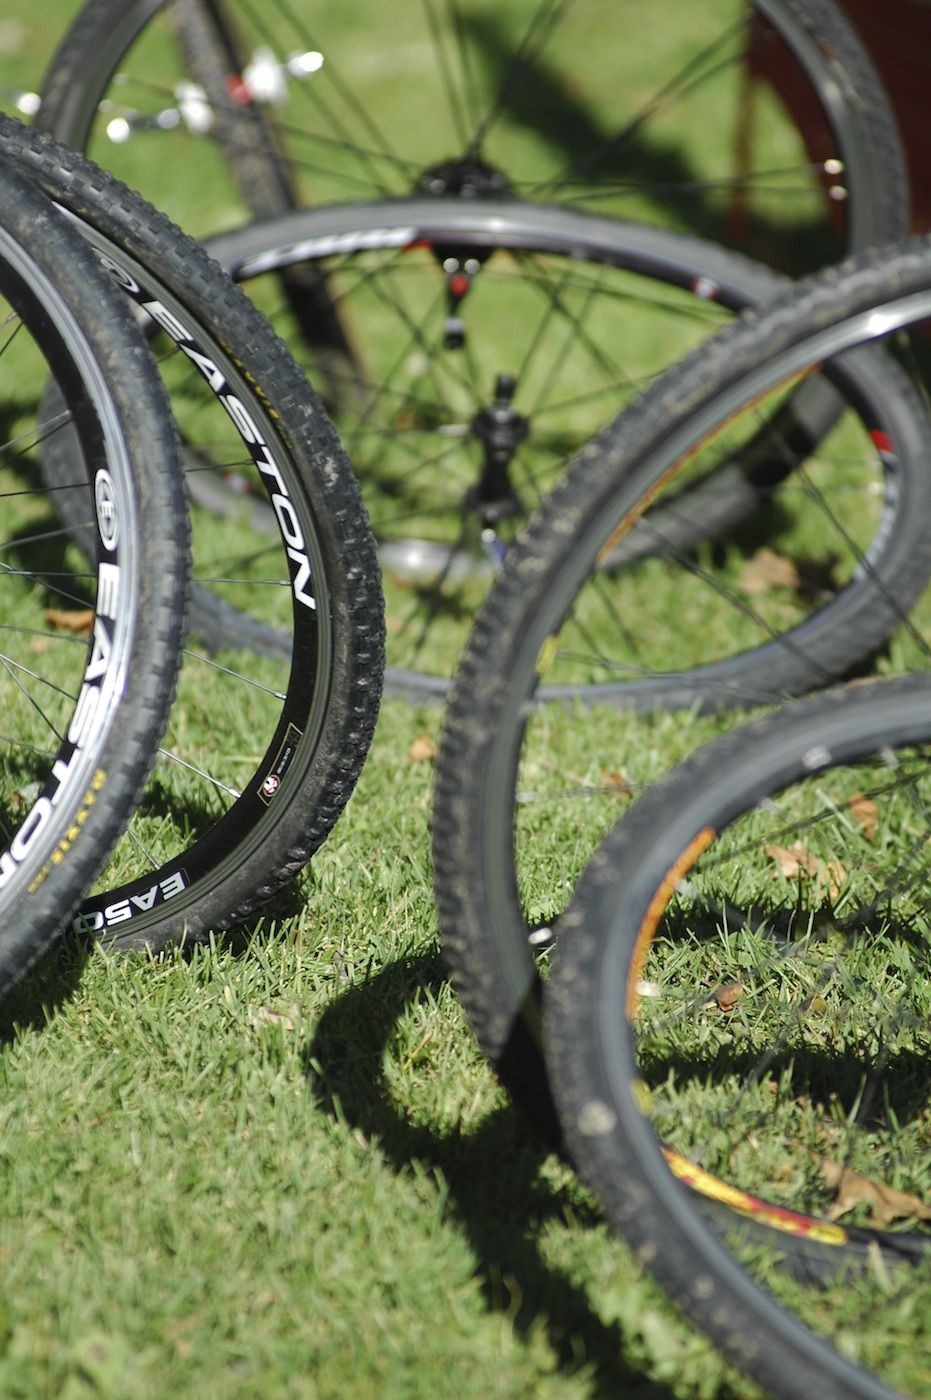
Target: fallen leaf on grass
792 860
82 621
798 860
885 1203
767 570
728 995
616 779
865 812
422 750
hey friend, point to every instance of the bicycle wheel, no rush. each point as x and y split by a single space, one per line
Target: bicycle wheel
90 643
273 718
469 356
739 1002
294 106
524 792
493 338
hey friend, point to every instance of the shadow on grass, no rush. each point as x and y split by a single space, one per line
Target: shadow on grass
495 1190
626 155
845 1085
33 1001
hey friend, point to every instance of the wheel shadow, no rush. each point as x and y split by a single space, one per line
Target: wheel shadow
492 1175
33 1001
533 93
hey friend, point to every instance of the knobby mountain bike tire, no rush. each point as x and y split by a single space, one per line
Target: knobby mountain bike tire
302 96
91 644
450 414
524 792
573 314
234 812
786 864
299 111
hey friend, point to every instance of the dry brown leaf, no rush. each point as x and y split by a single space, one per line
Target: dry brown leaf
866 813
798 860
767 570
616 779
885 1203
422 750
728 995
791 860
82 621
833 874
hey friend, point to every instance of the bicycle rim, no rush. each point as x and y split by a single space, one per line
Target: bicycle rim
477 102
491 340
285 649
798 1077
79 731
526 791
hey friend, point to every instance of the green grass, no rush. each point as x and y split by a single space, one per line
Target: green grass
290 1170
282 1167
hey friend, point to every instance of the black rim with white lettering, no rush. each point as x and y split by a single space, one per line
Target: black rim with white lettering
287 603
78 632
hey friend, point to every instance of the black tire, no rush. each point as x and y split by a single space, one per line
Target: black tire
81 719
523 132
522 796
698 871
312 699
437 571
534 269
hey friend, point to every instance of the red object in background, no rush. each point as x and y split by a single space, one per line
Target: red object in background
897 35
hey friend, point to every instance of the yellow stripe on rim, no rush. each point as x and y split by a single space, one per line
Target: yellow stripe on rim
658 903
778 1217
